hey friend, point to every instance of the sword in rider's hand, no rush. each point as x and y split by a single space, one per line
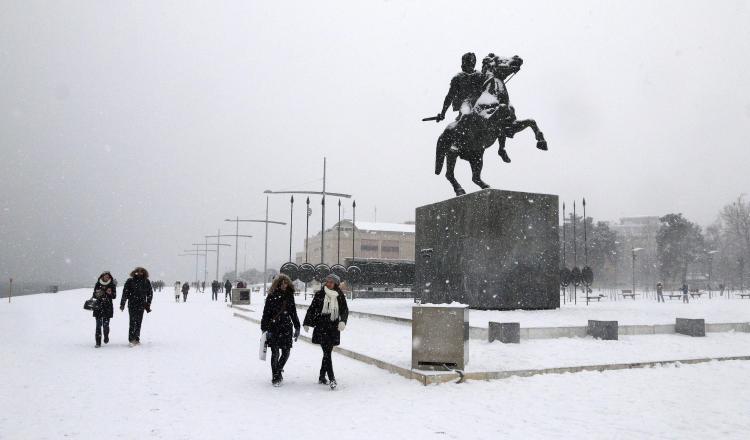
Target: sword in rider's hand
433 118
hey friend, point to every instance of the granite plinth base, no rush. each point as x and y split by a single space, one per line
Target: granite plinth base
491 249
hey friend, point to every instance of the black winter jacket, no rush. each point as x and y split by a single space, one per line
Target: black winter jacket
280 318
108 293
138 293
326 331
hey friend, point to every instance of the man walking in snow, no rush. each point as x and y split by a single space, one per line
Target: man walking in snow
227 290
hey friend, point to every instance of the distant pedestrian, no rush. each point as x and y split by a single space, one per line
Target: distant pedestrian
104 292
227 290
721 289
177 288
203 286
685 291
279 320
214 290
185 290
328 314
659 292
138 294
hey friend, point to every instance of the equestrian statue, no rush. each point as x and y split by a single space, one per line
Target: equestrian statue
484 116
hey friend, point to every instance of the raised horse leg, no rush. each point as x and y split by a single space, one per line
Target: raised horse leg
522 124
476 171
501 149
450 166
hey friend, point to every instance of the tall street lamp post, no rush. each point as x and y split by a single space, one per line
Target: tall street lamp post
218 244
265 258
205 251
323 195
236 236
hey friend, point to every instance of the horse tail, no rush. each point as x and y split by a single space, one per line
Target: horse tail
443 145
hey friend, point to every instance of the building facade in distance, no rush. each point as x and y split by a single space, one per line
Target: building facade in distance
377 241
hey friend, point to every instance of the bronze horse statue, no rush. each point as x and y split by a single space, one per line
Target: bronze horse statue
491 118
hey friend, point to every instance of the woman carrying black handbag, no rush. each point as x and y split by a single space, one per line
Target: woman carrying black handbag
279 318
328 313
104 292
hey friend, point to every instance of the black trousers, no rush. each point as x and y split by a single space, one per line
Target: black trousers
279 356
102 323
184 297
227 294
326 366
214 295
136 318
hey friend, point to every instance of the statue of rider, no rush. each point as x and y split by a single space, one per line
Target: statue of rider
466 86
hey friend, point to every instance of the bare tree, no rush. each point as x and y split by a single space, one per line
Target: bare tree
736 217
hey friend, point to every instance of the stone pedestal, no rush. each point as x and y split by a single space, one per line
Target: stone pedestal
690 327
240 296
440 336
491 249
607 330
505 332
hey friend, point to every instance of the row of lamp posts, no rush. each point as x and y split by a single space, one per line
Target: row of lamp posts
305 272
576 276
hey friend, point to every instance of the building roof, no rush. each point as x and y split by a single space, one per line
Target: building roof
385 227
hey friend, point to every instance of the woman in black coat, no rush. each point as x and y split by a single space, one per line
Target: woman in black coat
104 291
138 294
281 324
328 314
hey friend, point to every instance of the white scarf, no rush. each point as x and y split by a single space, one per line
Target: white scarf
104 283
330 303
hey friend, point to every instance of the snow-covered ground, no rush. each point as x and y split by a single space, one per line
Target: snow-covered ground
627 312
196 376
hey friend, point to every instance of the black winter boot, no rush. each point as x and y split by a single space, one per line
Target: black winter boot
106 337
98 341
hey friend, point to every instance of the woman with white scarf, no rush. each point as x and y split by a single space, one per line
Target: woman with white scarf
327 313
105 290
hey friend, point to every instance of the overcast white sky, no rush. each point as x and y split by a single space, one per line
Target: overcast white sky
129 130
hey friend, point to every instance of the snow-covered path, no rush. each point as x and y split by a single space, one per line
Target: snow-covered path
197 376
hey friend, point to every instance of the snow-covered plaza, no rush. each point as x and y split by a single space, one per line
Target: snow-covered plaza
197 375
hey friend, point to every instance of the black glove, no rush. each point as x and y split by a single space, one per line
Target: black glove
296 334
440 117
147 308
